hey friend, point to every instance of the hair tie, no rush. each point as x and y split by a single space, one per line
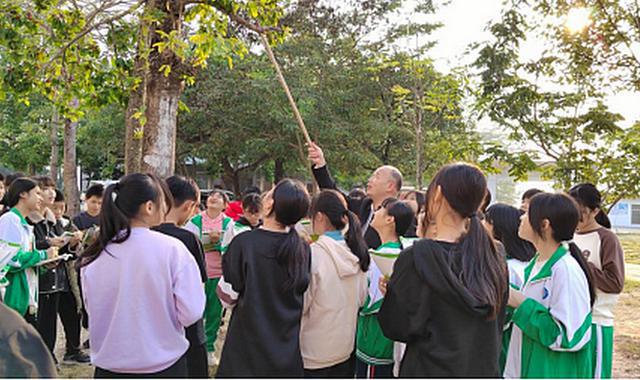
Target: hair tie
473 215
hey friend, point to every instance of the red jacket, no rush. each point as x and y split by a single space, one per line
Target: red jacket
234 210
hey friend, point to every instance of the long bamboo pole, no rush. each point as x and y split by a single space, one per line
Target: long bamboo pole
284 85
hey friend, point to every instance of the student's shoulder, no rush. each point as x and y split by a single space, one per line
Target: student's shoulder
607 236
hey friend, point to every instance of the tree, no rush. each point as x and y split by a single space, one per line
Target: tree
576 137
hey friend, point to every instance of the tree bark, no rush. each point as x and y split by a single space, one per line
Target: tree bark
55 147
417 101
230 176
133 126
278 170
70 177
163 94
134 131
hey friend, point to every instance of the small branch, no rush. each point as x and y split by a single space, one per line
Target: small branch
90 28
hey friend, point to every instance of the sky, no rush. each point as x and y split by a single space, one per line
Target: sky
464 22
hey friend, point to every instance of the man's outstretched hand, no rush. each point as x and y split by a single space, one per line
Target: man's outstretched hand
316 156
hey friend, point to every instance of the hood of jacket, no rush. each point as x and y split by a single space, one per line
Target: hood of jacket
441 269
346 263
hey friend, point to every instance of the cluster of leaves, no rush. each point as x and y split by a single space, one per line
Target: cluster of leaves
553 106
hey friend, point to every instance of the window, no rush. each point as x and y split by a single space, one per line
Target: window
635 214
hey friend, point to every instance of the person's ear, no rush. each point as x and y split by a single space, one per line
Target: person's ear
546 228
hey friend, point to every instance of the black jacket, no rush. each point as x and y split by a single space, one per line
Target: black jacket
325 181
55 279
446 329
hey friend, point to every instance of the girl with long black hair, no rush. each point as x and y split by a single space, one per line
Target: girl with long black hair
503 221
338 288
605 258
447 293
141 288
552 317
269 268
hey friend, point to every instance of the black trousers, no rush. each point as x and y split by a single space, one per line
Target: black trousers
68 312
366 371
197 365
344 370
47 318
178 370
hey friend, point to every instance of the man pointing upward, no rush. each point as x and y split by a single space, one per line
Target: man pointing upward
385 182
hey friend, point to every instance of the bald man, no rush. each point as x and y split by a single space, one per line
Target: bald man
385 182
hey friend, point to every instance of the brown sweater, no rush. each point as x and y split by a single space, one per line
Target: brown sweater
605 257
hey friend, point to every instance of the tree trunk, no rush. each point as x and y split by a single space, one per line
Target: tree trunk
163 94
70 176
230 176
278 170
55 148
417 101
134 131
134 126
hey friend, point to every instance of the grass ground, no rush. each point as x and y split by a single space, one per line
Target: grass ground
631 245
626 362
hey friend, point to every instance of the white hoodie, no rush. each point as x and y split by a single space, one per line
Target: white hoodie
337 290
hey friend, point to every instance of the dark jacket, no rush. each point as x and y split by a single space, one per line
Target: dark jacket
448 332
263 339
325 181
55 279
23 354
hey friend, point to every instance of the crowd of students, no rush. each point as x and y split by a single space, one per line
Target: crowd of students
476 290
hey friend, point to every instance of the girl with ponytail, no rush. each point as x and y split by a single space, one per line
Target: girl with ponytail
605 258
338 288
447 293
552 316
141 288
269 268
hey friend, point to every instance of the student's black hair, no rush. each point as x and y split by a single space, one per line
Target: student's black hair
484 271
290 204
486 202
250 190
59 196
2 178
420 199
531 193
96 190
354 199
12 177
225 197
252 203
505 220
402 214
587 195
332 205
182 189
122 203
19 186
44 181
562 213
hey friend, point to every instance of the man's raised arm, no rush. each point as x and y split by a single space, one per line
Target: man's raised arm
320 170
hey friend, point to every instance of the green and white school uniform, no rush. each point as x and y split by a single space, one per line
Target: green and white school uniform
21 285
552 327
603 251
236 229
213 261
229 296
372 347
516 279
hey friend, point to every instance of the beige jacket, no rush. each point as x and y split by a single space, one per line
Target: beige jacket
338 288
